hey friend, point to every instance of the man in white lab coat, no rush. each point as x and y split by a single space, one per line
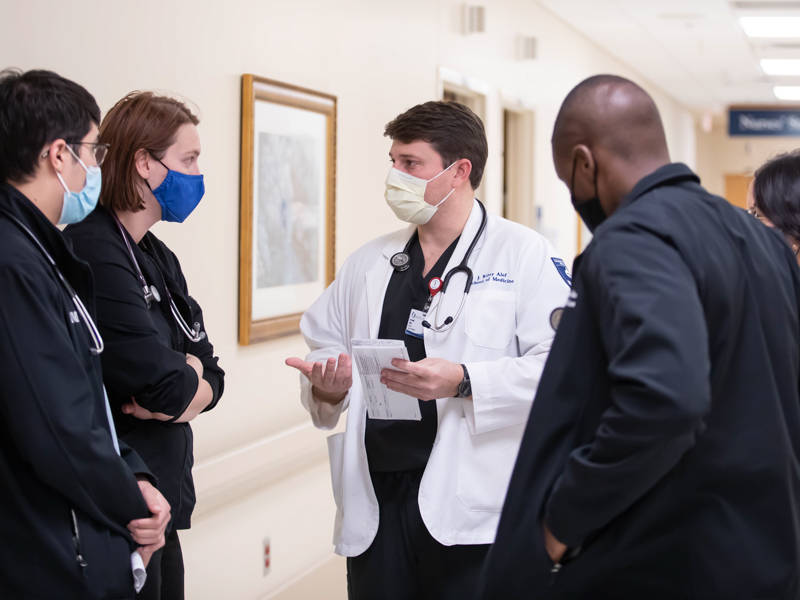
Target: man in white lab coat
418 501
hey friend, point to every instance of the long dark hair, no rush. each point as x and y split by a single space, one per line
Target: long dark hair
776 190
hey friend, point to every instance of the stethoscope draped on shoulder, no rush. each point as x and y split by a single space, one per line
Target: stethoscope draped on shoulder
405 195
151 293
97 339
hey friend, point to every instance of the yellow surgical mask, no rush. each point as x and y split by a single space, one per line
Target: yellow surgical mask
405 195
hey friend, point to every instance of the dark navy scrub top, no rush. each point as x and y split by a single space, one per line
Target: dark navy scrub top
405 445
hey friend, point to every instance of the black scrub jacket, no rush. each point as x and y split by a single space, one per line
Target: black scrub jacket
145 354
56 451
665 434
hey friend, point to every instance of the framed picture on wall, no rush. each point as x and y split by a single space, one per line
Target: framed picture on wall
287 225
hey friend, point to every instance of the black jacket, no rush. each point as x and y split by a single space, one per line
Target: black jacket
56 453
665 434
145 354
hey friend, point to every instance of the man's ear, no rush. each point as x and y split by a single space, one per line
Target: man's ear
463 170
56 154
583 159
141 163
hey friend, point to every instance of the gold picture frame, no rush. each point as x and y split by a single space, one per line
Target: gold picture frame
288 206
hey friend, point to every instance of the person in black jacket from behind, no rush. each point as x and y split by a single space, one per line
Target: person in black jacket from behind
159 366
71 510
661 459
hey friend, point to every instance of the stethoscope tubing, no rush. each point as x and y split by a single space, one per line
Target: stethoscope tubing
94 333
194 334
460 268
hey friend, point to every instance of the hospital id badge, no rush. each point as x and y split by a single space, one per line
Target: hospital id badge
414 327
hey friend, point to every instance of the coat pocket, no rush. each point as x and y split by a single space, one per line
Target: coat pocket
491 318
485 463
336 460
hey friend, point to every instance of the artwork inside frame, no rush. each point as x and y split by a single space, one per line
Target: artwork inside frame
287 225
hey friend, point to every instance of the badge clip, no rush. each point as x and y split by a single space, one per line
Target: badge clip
435 286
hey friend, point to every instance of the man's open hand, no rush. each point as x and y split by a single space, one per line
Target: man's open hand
331 381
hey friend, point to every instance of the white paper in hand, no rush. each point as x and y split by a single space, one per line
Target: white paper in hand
372 356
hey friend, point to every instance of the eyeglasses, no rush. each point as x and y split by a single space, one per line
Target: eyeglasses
98 149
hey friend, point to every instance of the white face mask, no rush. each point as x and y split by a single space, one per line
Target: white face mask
405 195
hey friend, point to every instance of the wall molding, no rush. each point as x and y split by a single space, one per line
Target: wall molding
228 477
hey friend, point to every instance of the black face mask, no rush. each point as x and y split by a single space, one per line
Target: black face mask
590 211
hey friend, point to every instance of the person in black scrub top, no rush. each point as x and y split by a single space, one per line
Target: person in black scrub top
418 501
158 366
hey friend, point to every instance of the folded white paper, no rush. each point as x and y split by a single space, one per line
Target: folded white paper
371 357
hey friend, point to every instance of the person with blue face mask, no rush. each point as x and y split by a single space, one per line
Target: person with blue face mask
159 366
79 514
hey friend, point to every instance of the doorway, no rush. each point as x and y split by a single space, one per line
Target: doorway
518 200
476 102
736 187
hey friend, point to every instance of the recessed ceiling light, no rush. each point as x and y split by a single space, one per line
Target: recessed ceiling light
781 66
771 27
787 92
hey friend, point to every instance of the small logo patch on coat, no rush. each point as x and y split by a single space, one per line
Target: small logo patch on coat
563 270
555 318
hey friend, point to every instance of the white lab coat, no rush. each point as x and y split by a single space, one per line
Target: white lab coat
503 337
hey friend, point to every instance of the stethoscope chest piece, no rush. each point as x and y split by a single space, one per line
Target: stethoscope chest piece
150 294
401 261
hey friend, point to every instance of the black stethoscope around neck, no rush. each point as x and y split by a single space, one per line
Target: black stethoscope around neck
97 339
402 261
151 293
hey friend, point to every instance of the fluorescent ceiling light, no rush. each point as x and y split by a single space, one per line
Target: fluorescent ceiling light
787 92
771 27
781 66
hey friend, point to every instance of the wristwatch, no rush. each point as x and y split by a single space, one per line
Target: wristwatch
465 387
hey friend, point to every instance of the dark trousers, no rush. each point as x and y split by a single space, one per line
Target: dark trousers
165 572
404 562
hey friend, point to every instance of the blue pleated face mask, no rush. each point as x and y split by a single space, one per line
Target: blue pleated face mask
78 205
179 194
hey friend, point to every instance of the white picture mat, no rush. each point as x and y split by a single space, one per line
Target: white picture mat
288 121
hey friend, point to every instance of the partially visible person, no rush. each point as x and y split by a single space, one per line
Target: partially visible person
159 365
74 501
774 197
661 459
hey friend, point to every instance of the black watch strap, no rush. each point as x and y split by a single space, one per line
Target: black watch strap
465 387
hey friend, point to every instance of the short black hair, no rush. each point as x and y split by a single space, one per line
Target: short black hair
776 190
454 131
36 108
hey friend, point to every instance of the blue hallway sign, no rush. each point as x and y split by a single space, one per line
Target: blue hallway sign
764 122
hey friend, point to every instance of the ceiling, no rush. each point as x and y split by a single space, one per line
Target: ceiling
695 50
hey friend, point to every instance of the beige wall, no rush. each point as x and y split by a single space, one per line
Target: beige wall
261 469
719 154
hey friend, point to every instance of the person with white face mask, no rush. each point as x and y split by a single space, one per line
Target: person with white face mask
471 295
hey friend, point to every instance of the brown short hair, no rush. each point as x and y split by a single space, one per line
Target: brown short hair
452 129
141 120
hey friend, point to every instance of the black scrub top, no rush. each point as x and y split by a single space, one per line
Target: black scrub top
405 445
145 351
